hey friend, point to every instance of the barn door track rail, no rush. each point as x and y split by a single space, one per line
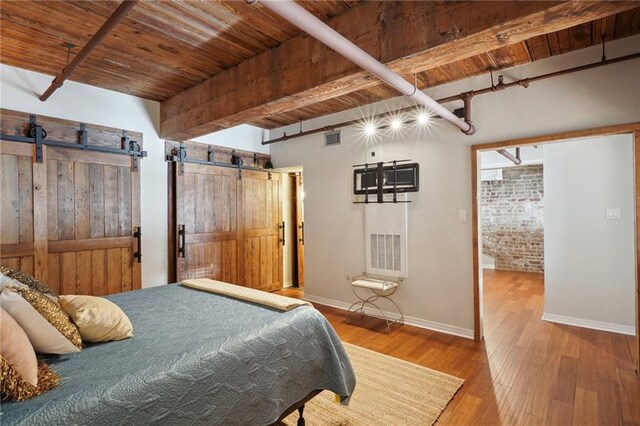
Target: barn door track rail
37 135
179 155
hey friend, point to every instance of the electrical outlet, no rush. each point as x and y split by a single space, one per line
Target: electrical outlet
613 213
462 216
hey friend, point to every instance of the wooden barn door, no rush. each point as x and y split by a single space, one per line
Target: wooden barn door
228 228
17 210
93 208
262 230
299 214
70 219
207 226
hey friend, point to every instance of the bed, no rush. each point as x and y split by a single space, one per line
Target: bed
195 358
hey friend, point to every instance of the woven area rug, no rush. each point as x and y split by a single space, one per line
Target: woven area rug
389 391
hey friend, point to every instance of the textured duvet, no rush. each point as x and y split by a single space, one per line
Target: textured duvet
195 358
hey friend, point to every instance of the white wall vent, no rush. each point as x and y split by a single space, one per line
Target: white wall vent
386 238
386 252
332 138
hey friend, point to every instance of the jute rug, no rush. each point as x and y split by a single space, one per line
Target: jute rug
389 392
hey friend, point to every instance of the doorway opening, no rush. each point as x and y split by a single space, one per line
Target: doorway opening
511 208
293 216
591 181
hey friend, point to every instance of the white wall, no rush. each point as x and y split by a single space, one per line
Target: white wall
439 293
244 137
79 102
589 259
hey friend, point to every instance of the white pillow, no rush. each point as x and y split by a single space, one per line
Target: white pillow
44 337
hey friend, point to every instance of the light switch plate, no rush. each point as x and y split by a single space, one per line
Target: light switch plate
613 213
462 216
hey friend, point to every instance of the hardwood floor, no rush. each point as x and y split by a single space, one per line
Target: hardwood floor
526 371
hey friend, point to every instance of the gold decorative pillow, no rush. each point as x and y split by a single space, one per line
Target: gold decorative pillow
14 387
49 329
28 280
98 319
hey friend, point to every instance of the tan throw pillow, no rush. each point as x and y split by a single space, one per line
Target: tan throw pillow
28 280
16 349
22 376
98 319
48 327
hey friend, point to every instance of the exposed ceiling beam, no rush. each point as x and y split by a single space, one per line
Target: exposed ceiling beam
409 37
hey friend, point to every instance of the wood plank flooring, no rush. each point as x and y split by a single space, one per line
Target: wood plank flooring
526 371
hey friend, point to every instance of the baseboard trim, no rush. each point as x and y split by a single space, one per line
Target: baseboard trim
595 325
416 322
287 284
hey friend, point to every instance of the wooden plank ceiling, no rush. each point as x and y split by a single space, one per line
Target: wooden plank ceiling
159 50
163 48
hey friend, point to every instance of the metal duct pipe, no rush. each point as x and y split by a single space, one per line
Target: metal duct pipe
313 26
491 89
514 158
117 16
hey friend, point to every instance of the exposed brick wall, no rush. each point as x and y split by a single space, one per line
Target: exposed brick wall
512 219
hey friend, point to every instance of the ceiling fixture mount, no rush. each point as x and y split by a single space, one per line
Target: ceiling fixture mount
104 31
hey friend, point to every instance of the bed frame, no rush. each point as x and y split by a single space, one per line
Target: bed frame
297 406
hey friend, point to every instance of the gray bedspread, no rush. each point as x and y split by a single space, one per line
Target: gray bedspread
195 358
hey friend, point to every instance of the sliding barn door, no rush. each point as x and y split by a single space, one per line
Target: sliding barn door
70 219
299 214
262 230
227 228
92 209
207 226
17 210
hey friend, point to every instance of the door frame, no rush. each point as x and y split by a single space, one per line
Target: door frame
297 250
630 128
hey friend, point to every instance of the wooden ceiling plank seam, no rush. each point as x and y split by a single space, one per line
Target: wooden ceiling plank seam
603 27
260 41
485 62
99 71
282 30
90 23
105 53
581 36
156 36
206 32
538 47
554 45
97 76
625 23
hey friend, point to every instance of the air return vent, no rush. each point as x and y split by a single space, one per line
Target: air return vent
332 138
386 238
386 252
